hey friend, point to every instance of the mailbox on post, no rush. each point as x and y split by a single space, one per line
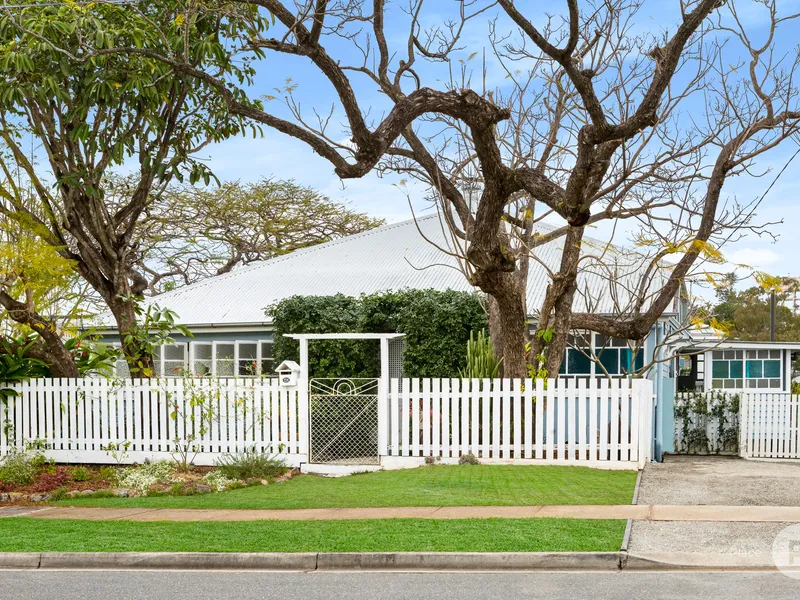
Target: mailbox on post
288 373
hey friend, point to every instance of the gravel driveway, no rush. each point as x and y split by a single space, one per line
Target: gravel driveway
710 480
720 480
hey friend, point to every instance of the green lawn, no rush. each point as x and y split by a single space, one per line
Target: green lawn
481 485
391 535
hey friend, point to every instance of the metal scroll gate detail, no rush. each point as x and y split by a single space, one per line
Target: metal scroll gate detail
343 421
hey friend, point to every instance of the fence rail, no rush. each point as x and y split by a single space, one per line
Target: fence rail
81 420
558 420
598 422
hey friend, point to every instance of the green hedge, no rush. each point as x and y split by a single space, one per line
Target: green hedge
437 327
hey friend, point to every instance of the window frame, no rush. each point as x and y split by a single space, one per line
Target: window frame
747 356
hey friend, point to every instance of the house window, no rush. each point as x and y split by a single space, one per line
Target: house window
173 360
576 357
224 358
616 356
267 360
240 358
740 369
763 369
247 359
202 358
613 354
684 365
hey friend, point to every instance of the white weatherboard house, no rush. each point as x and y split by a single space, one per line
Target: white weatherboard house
232 335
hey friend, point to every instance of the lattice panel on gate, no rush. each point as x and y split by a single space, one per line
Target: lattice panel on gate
344 421
397 348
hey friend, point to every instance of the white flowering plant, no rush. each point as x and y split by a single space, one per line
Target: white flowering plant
217 481
146 476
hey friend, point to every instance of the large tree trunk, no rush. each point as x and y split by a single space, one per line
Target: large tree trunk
50 347
556 310
138 358
508 324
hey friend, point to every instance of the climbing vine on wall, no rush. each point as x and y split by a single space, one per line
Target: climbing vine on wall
706 422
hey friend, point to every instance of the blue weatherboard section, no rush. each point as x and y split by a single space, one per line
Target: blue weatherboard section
664 384
665 435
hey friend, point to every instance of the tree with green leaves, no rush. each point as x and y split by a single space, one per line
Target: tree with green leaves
85 112
189 233
747 314
35 285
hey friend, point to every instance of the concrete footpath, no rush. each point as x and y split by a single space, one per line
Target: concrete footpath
636 512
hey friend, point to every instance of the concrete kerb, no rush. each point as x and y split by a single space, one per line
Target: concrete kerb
384 561
627 537
312 561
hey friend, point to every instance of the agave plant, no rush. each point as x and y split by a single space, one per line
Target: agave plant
482 363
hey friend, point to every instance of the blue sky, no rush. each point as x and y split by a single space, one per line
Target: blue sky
281 156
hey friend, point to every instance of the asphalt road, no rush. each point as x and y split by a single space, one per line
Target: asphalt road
91 585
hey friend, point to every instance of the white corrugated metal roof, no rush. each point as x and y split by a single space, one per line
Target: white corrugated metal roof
392 257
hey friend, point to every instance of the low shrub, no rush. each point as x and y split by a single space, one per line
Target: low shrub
59 494
251 464
80 474
468 459
51 481
144 477
217 481
21 467
108 474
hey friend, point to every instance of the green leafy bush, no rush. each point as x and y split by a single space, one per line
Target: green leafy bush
250 464
21 467
437 326
108 474
80 474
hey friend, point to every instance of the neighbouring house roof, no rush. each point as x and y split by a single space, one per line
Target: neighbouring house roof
713 339
392 257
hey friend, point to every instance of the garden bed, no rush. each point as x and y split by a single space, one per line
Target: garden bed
27 477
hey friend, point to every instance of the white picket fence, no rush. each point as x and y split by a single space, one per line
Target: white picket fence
77 420
599 423
559 421
769 425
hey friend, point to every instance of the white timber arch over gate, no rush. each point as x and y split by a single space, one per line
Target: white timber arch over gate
391 355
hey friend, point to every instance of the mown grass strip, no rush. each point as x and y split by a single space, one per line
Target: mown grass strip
481 485
390 535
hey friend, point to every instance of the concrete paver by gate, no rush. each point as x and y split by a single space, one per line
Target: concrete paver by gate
638 512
